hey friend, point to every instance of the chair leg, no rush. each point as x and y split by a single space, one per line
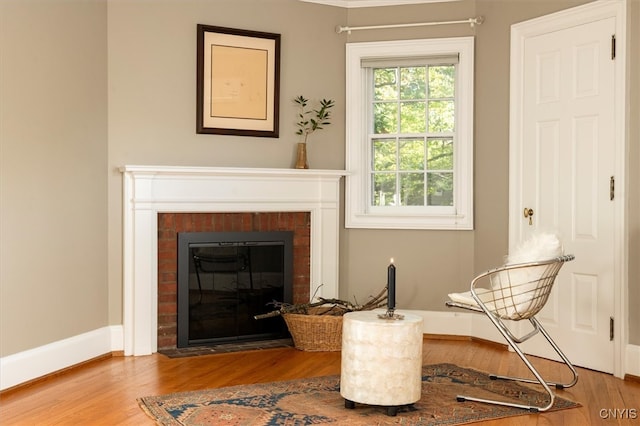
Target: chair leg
561 354
534 371
540 381
555 347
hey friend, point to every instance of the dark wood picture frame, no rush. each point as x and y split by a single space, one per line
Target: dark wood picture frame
238 82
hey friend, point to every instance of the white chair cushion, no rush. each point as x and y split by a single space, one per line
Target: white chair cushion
466 298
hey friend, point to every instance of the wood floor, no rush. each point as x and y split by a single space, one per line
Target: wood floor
104 392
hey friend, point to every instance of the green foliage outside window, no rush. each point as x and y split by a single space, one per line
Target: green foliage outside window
413 135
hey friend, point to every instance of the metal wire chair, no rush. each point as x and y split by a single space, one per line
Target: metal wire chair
516 292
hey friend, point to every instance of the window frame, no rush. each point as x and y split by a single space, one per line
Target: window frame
358 211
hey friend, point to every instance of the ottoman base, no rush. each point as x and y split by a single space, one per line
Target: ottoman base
392 410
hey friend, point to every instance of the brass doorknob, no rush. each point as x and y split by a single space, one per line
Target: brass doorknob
529 213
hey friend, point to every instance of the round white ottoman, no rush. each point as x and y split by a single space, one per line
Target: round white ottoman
381 360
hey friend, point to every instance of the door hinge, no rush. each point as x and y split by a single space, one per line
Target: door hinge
610 328
613 46
612 188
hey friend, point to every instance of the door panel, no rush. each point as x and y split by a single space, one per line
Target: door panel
567 158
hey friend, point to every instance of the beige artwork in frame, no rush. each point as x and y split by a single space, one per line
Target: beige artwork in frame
238 82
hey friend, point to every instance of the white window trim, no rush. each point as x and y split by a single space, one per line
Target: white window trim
357 212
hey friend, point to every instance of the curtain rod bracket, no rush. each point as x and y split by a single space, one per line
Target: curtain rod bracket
471 21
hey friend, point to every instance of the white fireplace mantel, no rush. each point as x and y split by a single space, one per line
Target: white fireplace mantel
149 190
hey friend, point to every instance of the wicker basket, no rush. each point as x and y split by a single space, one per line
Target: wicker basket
315 333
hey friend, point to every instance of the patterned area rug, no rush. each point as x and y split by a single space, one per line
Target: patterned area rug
318 401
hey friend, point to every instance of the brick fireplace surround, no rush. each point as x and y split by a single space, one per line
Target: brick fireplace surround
237 195
170 224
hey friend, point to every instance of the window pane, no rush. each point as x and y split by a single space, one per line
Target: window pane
440 154
385 118
412 189
440 189
385 84
441 116
413 83
411 154
441 81
412 119
384 189
384 155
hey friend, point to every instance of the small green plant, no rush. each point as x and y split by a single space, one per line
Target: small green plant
310 120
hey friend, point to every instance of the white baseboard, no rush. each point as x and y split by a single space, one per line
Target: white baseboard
33 363
445 322
456 323
632 360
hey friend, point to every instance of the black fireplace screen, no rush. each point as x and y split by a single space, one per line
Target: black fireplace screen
225 279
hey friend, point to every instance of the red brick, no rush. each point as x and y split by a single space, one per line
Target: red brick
167 342
166 288
167 234
166 221
167 330
166 245
167 298
167 324
168 277
167 308
199 222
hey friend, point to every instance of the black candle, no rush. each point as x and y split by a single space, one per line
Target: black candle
391 286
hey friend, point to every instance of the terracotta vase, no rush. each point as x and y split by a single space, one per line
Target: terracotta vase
301 156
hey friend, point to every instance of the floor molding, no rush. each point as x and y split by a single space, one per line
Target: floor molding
25 367
454 323
632 362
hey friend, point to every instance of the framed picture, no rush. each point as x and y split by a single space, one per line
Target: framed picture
238 82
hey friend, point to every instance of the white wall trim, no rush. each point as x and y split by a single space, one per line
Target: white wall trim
456 323
372 3
459 323
34 363
24 366
632 362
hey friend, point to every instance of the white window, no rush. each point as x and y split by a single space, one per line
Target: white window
410 134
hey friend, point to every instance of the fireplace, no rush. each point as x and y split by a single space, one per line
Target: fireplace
225 279
149 191
203 227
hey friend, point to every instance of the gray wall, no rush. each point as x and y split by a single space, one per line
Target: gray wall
53 171
104 84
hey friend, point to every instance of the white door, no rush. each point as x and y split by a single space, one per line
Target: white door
563 170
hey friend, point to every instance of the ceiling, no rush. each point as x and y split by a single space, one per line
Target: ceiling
372 3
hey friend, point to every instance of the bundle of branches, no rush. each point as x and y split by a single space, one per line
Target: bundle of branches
326 306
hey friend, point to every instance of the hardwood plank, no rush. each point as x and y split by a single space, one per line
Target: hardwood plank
104 391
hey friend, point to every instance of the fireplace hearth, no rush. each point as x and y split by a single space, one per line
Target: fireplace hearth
225 279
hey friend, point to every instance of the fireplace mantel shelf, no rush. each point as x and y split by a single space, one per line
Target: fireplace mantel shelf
233 171
149 190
